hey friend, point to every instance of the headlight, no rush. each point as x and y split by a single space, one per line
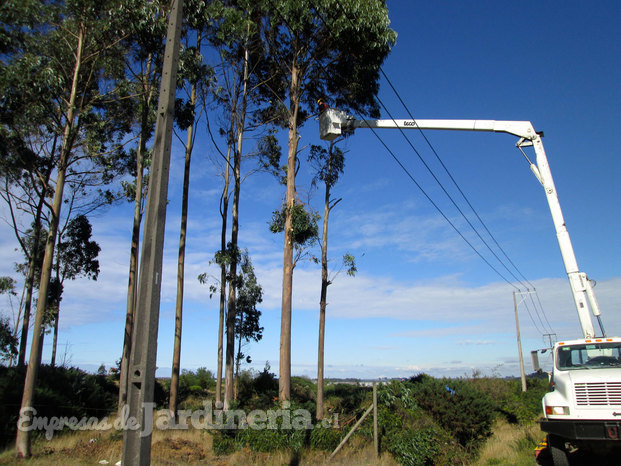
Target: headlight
557 410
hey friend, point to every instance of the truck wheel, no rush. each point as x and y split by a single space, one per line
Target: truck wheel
558 451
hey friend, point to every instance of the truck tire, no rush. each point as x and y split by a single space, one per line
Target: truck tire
558 451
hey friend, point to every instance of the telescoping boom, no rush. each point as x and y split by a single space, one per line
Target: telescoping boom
334 123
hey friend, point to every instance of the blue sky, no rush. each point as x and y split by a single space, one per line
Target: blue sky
422 300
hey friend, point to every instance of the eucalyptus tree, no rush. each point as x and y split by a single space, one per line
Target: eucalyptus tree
329 164
144 49
234 37
318 49
66 80
247 319
144 55
196 76
27 150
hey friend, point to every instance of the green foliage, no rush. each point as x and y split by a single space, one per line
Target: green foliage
269 152
510 401
60 392
266 440
465 412
195 383
8 342
345 398
349 262
249 295
326 438
7 285
223 442
420 447
303 223
328 163
338 46
303 391
258 392
76 253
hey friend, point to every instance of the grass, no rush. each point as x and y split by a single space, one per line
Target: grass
511 444
174 447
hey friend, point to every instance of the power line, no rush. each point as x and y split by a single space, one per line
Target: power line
448 195
419 186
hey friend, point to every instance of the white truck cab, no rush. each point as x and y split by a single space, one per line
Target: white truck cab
583 409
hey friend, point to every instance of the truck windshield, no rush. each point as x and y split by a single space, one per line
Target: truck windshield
589 356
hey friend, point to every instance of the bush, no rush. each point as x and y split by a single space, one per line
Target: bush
416 447
326 438
223 442
465 412
346 398
60 392
408 432
267 440
257 392
509 400
195 383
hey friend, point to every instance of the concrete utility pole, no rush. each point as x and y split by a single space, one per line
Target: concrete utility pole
519 342
141 374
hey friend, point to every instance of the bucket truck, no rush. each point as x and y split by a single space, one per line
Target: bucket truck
583 409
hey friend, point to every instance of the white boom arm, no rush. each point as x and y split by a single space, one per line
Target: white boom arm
333 123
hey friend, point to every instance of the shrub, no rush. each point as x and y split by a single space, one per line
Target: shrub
346 398
257 392
326 438
60 392
223 442
465 412
509 400
419 447
267 440
195 383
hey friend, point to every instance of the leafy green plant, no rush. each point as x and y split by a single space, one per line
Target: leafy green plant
326 438
510 401
60 392
266 440
223 442
462 410
415 447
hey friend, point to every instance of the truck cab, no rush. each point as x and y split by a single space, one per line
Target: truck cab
583 409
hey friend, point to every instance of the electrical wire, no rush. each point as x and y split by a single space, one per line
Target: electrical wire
433 203
443 165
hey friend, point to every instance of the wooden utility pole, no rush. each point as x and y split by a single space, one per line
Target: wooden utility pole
519 342
141 376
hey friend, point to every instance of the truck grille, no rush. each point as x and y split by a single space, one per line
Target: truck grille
598 393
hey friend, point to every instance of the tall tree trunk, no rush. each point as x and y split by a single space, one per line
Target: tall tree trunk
238 356
224 214
22 442
232 308
284 381
174 380
134 250
32 267
57 316
323 298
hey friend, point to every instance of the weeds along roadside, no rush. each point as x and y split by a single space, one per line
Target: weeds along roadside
421 420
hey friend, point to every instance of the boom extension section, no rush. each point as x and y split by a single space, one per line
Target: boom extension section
334 123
